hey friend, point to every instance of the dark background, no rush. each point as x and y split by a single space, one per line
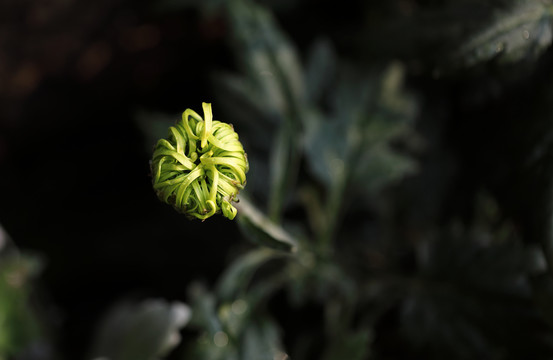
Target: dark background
75 185
74 173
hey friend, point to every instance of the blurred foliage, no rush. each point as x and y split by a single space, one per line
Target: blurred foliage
20 328
438 38
140 331
521 31
398 203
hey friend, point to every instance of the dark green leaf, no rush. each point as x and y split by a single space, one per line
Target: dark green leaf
19 326
261 341
472 295
261 230
523 31
370 112
321 70
274 75
237 277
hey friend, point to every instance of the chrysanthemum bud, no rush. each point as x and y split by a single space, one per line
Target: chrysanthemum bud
201 167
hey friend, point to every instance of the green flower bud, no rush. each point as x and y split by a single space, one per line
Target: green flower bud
200 167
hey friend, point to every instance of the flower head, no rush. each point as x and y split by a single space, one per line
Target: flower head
200 167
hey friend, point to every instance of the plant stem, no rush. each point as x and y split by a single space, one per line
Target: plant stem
333 208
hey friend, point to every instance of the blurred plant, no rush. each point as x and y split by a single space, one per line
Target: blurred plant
336 129
20 330
520 31
343 123
140 331
437 38
334 268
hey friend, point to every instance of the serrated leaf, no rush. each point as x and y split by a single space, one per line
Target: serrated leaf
268 58
371 113
331 139
471 296
522 31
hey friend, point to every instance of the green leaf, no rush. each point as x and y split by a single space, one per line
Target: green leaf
233 329
331 139
522 31
19 326
215 342
273 71
321 69
377 163
237 276
472 295
204 310
326 146
382 166
284 164
267 57
261 341
259 229
355 140
140 331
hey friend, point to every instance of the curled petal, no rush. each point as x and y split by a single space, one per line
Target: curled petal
200 167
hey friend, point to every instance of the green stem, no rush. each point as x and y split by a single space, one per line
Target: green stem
283 165
333 209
